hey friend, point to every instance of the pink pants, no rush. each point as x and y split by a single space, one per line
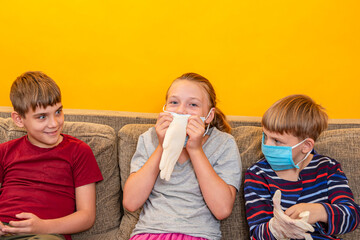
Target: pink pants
165 236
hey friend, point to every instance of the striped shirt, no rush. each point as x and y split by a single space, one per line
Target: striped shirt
322 181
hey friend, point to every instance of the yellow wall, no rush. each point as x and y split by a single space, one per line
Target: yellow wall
122 55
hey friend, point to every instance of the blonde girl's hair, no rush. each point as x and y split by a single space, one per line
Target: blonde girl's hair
219 120
33 89
298 115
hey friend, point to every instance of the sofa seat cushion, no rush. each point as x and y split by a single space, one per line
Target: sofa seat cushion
102 141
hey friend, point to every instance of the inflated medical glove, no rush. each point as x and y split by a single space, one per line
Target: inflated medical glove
283 227
173 145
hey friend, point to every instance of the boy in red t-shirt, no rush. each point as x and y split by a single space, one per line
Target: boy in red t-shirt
47 178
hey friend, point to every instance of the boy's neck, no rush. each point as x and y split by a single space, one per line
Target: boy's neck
36 144
293 173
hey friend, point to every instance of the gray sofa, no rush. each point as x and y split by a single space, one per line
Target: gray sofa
113 136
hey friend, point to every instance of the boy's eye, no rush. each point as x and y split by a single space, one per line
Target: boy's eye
41 117
58 111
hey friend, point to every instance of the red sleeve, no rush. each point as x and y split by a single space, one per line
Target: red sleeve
85 167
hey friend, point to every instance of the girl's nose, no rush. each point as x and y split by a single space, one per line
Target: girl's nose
181 109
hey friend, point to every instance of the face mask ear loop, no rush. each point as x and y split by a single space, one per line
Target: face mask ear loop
296 145
164 108
207 129
208 126
304 158
306 154
209 113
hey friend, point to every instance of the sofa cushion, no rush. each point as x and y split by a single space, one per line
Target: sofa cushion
248 139
343 145
128 137
102 140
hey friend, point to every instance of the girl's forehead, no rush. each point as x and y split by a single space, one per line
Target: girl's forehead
189 88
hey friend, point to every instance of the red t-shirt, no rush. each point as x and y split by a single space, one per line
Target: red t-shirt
42 181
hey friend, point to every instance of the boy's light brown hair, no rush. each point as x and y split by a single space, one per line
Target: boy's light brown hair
33 89
298 115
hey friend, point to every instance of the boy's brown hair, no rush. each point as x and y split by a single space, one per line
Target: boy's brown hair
33 89
298 115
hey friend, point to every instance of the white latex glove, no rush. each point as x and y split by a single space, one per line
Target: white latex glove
173 145
283 227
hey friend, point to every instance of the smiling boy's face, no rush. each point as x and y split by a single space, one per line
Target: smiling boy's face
43 125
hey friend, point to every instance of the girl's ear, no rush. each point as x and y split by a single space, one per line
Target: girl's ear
18 119
308 145
211 116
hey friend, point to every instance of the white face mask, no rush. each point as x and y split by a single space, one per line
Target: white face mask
188 115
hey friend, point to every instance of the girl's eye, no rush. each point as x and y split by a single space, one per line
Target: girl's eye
193 104
173 102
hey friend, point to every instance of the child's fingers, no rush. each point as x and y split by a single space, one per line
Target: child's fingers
19 224
25 215
164 117
162 125
305 216
164 120
196 121
195 126
277 200
26 220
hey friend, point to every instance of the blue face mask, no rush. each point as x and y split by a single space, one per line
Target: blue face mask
188 115
280 157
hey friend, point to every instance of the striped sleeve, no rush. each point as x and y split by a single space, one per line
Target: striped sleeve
259 208
343 212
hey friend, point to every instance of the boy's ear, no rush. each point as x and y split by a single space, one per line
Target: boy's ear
309 145
17 118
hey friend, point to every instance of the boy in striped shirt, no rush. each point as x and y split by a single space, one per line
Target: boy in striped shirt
309 183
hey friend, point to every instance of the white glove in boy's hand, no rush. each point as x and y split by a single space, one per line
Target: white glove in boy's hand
173 145
283 227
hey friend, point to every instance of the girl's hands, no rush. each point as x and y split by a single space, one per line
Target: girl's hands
29 223
162 124
195 130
